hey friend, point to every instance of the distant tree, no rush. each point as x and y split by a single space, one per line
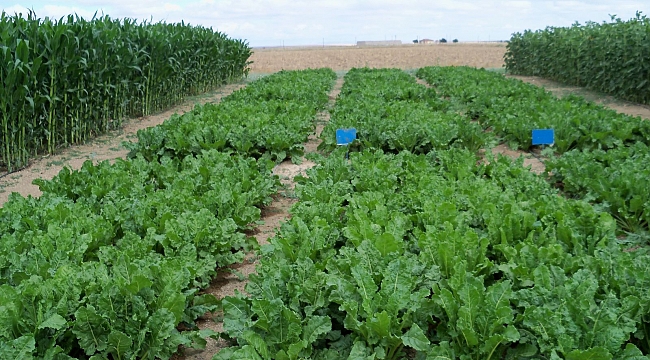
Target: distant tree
443 41
455 41
415 41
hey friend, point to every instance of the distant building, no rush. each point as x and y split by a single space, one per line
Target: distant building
428 41
379 43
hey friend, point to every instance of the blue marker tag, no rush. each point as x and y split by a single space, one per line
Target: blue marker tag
345 136
543 136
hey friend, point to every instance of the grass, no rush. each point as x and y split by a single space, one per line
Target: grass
13 179
561 90
501 70
55 163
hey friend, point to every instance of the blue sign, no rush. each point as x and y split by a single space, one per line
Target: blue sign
345 136
543 136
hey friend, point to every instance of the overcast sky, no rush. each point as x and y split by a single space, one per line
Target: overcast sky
301 22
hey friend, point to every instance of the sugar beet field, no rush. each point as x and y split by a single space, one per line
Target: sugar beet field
418 240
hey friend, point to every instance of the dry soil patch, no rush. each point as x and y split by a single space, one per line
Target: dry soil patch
487 55
536 165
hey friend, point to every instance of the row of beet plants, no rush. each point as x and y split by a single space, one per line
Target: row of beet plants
110 261
394 113
601 155
438 255
512 109
272 119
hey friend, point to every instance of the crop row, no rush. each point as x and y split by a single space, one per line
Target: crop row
66 80
439 256
275 118
512 109
392 112
601 154
110 260
617 180
609 57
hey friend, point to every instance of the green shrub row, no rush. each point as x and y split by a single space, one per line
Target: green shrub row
610 57
271 117
67 80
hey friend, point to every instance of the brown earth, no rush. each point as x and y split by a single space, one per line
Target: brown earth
536 165
487 55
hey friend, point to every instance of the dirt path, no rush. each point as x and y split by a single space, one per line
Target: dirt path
272 217
422 82
104 147
560 90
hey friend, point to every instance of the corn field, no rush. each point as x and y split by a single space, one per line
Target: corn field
612 58
66 80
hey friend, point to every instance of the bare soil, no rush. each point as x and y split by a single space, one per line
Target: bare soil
487 55
536 165
105 147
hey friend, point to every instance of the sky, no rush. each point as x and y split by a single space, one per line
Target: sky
334 22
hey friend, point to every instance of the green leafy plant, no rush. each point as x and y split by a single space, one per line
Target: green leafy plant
271 117
67 80
439 256
392 112
607 57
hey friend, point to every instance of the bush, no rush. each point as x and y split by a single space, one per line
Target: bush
608 57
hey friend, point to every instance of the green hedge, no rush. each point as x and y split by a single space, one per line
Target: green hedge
66 80
609 57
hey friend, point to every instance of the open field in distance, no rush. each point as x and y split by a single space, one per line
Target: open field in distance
268 60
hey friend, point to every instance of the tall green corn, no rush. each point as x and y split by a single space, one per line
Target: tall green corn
612 58
67 80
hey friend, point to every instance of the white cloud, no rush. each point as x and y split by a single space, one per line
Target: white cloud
518 4
15 9
339 21
56 11
172 7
